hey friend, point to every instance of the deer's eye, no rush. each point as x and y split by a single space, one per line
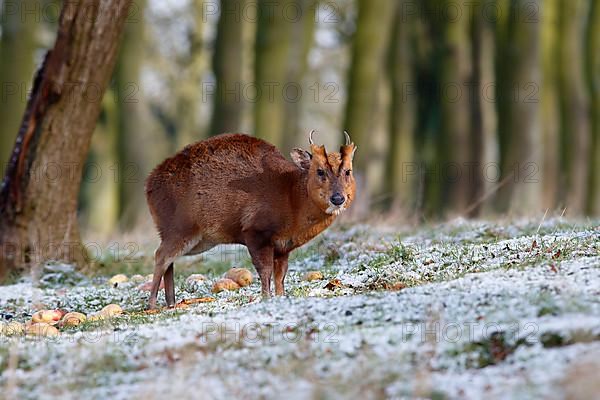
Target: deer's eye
348 172
320 172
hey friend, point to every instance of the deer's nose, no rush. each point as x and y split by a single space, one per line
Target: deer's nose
337 199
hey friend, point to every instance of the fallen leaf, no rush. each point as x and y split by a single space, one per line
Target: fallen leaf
534 245
556 255
396 286
334 283
197 300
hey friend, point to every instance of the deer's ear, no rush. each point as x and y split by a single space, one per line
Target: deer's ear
301 158
348 151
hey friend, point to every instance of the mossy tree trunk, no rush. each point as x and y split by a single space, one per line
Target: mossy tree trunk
486 125
227 66
38 200
369 50
189 90
575 113
593 73
17 46
302 39
272 59
519 109
456 141
131 160
402 170
550 107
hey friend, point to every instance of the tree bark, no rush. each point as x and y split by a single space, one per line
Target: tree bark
302 39
550 108
486 153
16 69
402 172
38 199
188 92
272 49
131 157
593 70
519 116
370 45
227 66
456 141
574 103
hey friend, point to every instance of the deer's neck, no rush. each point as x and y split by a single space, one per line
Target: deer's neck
309 219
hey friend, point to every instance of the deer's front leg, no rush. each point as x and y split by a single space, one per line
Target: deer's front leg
280 266
262 258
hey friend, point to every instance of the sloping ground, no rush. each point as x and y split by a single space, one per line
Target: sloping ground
462 310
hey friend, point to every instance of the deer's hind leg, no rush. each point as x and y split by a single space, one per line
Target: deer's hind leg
164 257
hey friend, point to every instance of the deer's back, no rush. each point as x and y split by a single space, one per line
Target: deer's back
212 186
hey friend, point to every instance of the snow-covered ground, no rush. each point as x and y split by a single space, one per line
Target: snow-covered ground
460 310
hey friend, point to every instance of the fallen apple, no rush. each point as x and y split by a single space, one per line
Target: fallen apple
47 316
138 278
117 279
195 278
224 284
41 329
241 276
313 276
111 310
73 319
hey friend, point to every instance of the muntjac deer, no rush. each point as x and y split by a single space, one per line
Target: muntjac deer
234 188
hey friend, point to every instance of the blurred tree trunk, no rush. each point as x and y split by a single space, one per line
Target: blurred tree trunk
574 103
99 194
402 171
38 200
17 46
130 128
272 60
227 66
427 50
370 44
593 70
455 144
484 47
551 175
519 117
302 40
189 91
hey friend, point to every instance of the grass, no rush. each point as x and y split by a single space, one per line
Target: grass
467 273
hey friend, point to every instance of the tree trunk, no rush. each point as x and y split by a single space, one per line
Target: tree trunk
302 40
17 45
370 45
519 122
189 91
485 94
574 103
402 171
593 70
131 157
38 200
99 193
551 168
227 66
272 49
456 142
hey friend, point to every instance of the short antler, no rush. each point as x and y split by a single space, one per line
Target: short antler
348 141
310 137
